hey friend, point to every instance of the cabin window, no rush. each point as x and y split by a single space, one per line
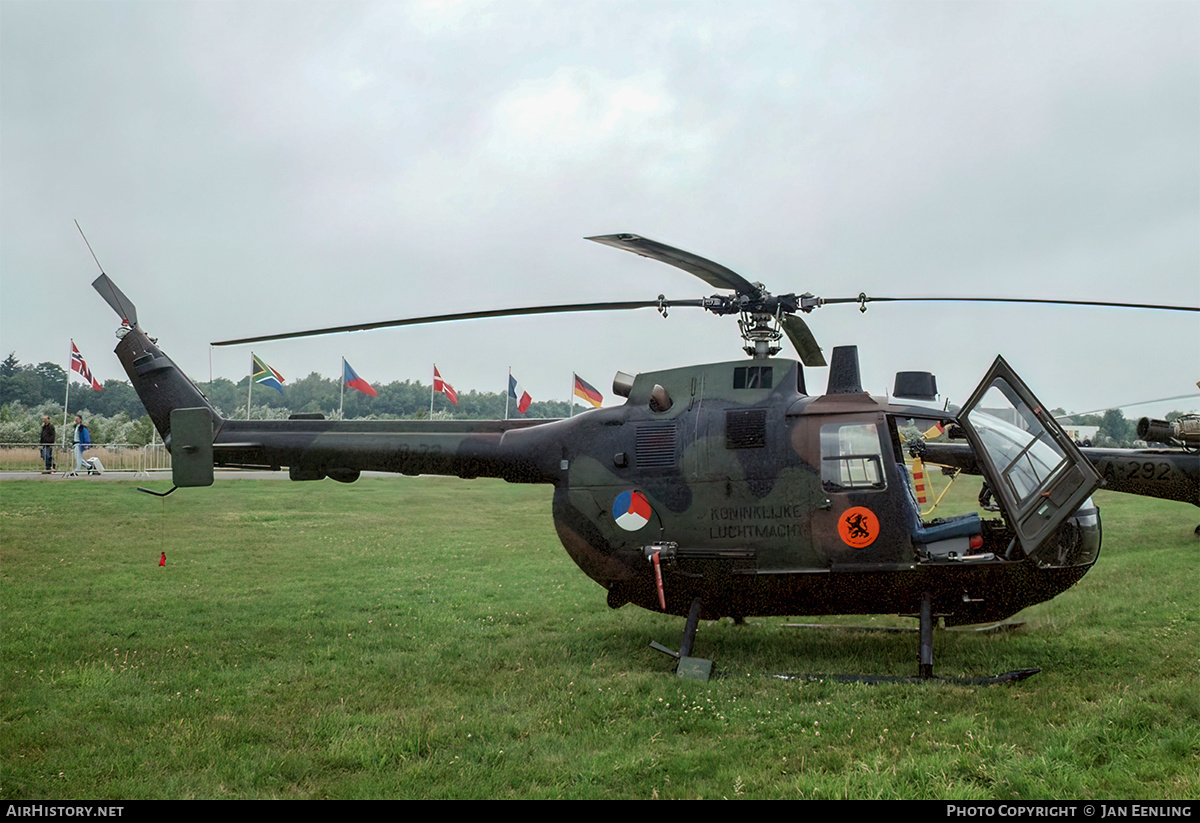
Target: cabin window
752 377
851 457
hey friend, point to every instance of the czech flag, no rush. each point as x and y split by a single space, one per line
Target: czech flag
262 373
351 379
79 365
445 388
519 394
589 394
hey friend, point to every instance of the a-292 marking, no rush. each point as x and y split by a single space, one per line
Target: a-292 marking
1134 470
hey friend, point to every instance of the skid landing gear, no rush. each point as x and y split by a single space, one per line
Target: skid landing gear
925 664
689 668
925 661
697 668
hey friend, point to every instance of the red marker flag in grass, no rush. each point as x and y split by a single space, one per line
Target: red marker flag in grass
78 364
588 392
163 560
445 388
519 394
350 378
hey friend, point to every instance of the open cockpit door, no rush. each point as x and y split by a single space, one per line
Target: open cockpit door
1030 463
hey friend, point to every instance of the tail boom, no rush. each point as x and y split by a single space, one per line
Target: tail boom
520 451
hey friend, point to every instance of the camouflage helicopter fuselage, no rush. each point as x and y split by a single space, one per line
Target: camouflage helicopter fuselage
714 482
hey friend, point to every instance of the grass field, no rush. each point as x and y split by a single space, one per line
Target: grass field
429 638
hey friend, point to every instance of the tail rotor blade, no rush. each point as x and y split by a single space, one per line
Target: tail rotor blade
121 304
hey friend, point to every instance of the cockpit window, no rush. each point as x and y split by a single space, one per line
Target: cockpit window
851 457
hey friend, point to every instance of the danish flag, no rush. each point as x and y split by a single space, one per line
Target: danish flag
78 364
445 388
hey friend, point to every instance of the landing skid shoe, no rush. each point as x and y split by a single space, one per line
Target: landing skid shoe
689 668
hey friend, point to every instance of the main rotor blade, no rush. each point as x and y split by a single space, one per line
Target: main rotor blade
802 338
863 299
471 315
712 273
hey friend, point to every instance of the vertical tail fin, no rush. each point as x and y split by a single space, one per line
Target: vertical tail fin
160 384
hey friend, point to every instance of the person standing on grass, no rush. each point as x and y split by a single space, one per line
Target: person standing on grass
82 440
47 443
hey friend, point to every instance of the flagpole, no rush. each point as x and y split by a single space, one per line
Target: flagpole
431 385
249 385
507 391
571 396
342 404
67 399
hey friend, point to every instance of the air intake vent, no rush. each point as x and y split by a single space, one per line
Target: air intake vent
656 446
746 429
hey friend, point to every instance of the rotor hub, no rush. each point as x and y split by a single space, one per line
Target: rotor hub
761 333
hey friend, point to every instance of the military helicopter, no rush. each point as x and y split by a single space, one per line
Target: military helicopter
1171 473
723 489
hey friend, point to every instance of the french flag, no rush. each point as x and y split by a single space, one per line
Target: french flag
519 394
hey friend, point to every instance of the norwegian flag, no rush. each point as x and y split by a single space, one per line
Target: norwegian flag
519 394
78 364
445 388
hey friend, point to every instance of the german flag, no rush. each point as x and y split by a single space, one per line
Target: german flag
588 392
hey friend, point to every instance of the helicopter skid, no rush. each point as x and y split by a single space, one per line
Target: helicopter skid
693 668
995 680
928 620
995 628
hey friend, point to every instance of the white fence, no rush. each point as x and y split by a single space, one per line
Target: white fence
115 457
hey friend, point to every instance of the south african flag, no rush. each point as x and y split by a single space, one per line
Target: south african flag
262 373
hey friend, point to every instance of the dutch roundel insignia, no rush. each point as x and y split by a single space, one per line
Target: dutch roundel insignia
631 510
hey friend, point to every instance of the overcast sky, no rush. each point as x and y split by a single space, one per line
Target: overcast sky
253 167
